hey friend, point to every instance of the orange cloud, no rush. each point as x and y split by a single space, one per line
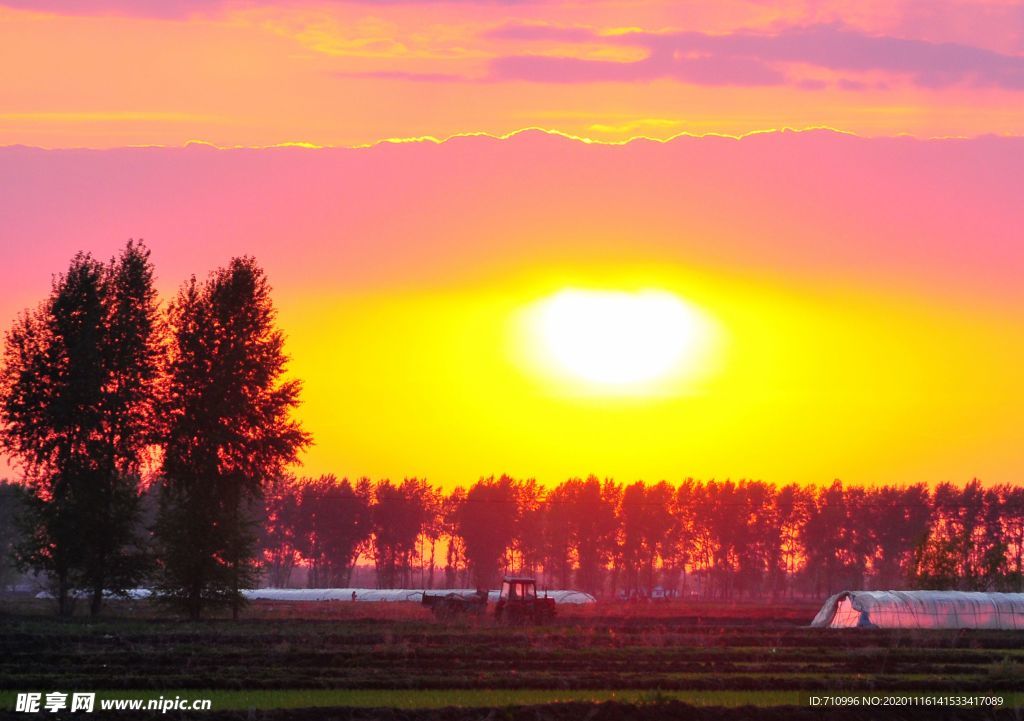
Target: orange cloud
266 72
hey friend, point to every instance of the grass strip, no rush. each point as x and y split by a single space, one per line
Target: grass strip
235 700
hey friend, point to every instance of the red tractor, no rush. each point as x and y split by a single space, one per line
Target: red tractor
518 602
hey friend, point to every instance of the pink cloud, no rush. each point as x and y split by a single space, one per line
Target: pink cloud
747 58
708 70
837 47
852 85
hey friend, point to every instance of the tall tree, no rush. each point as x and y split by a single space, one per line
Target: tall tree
334 522
528 544
455 556
430 535
726 513
573 529
758 535
487 521
1013 535
131 349
646 527
897 520
558 535
399 515
680 543
791 504
228 432
591 517
280 530
52 388
12 499
823 538
76 393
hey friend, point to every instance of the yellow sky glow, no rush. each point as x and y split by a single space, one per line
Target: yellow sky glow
804 387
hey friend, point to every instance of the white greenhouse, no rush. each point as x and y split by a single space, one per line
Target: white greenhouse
922 609
366 594
391 594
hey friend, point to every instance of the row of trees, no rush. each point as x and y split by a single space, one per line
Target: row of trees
725 540
98 383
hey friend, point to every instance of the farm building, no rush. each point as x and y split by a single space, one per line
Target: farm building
922 609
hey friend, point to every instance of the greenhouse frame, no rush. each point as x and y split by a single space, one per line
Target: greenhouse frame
922 609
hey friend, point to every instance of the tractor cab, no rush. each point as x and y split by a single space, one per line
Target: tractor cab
518 602
518 589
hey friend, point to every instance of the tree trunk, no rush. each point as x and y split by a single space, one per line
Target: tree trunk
430 580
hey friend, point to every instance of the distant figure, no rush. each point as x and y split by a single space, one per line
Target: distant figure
353 595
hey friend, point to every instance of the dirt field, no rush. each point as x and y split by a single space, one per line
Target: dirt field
600 662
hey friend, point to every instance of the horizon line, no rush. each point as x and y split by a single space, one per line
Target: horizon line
441 140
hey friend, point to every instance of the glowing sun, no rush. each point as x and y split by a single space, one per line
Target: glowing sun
619 338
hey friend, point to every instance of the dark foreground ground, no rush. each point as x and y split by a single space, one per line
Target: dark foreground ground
394 662
607 711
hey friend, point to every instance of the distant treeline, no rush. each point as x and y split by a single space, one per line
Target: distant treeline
716 539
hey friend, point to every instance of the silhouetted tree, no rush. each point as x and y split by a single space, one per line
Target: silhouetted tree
334 522
558 534
399 516
228 432
528 543
430 535
725 512
487 521
897 521
935 563
791 513
993 545
581 532
761 541
131 349
591 515
680 543
52 386
1013 534
646 522
631 550
12 500
455 555
964 543
76 401
279 529
823 538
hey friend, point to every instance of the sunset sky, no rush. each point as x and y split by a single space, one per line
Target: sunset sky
816 275
102 73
